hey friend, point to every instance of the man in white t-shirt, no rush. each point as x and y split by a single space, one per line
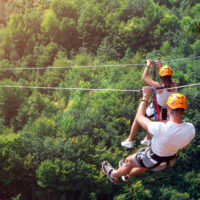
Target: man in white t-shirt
168 138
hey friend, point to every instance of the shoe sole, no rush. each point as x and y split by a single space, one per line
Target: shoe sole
107 174
104 171
129 147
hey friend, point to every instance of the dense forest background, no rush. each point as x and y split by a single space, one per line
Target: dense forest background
52 142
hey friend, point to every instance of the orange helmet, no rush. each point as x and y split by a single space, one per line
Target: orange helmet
177 100
165 71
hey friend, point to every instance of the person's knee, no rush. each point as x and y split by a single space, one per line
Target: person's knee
129 162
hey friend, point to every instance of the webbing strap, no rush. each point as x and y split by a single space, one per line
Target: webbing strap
157 108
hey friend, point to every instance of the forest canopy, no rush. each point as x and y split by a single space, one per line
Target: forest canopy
52 142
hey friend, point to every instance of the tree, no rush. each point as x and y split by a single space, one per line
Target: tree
64 8
190 25
55 177
19 37
12 154
167 26
10 101
50 26
2 12
91 26
133 8
46 54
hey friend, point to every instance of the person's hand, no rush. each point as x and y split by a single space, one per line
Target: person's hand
146 90
149 63
159 63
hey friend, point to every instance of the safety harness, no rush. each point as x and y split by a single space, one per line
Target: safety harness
160 159
147 159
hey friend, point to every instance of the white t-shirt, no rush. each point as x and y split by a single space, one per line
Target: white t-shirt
169 138
162 98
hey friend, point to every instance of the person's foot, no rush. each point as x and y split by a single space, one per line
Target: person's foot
107 170
127 143
127 177
146 142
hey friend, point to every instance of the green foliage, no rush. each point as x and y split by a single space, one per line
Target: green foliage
130 9
174 195
55 174
49 25
10 102
165 48
196 10
191 25
52 142
43 127
91 25
196 47
17 197
137 191
167 26
64 8
47 55
12 156
106 52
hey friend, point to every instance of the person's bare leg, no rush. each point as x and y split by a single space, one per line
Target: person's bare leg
137 171
134 128
128 167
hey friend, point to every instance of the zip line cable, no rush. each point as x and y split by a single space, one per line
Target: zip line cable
95 66
68 67
181 59
178 87
61 88
185 86
91 89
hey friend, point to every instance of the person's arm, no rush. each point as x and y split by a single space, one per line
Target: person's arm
140 116
146 78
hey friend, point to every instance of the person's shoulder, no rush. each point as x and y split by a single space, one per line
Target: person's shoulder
191 127
189 124
156 124
154 127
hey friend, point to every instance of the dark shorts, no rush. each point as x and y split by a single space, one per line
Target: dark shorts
147 159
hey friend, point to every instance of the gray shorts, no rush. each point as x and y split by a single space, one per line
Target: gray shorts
144 159
147 159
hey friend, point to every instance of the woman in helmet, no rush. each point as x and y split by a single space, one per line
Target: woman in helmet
165 74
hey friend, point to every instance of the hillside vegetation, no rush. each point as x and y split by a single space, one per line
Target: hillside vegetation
52 142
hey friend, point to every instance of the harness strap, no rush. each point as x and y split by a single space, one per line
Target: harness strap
160 159
157 108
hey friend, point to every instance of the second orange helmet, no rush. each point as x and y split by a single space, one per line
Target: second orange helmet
165 71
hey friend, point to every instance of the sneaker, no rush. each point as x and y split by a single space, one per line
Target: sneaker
127 177
127 144
107 170
146 142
